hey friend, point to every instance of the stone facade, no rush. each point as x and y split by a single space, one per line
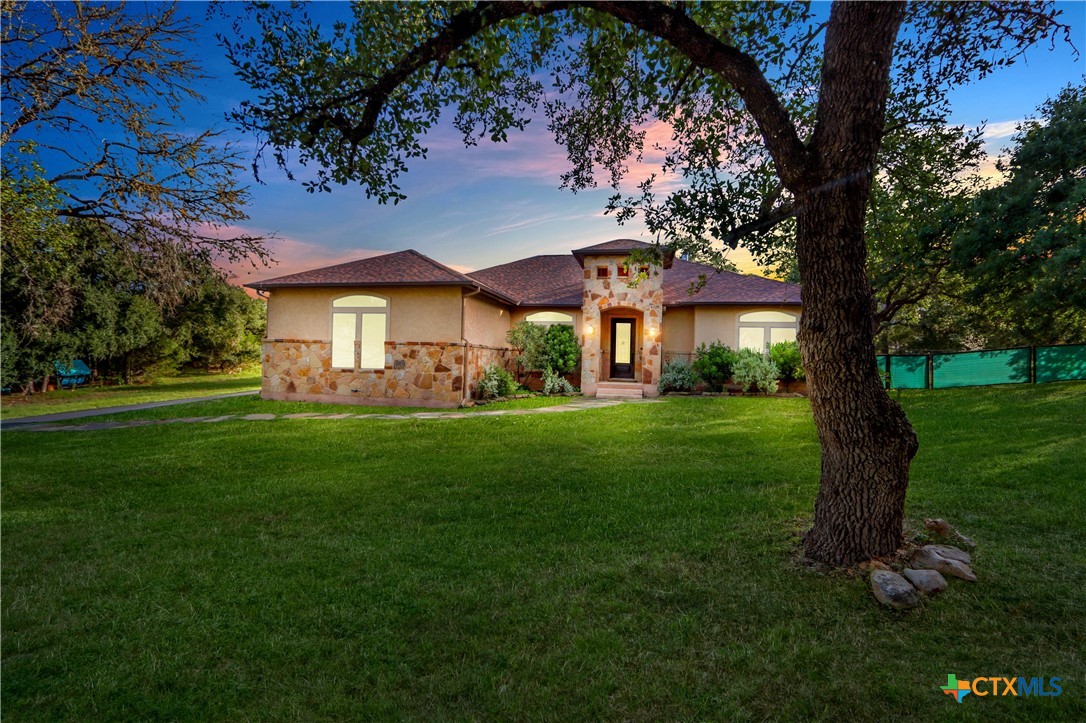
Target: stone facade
415 373
642 295
481 357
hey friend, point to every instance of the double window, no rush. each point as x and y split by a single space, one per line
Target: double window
359 331
761 328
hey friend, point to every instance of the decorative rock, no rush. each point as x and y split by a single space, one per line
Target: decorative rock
926 559
951 553
958 569
942 528
929 582
893 590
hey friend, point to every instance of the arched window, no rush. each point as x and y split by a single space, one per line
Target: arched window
546 318
759 328
359 332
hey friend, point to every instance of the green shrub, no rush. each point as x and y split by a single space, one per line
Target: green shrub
561 351
677 376
528 339
752 370
555 383
713 364
785 355
496 382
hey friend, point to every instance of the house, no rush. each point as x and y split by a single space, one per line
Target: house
404 329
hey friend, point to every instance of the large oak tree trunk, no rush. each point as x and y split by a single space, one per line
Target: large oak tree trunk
867 443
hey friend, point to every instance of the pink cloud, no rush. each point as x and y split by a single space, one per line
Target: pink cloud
534 154
290 256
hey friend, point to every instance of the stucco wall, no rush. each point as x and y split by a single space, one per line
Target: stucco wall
485 322
678 330
425 313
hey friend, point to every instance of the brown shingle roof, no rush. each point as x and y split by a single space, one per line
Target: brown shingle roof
537 281
402 268
559 281
540 280
721 288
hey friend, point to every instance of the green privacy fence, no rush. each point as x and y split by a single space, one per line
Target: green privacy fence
1024 365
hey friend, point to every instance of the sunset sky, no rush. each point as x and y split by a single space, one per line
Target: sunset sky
476 207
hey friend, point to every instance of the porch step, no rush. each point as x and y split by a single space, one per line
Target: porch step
619 390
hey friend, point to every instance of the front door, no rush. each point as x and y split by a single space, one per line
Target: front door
622 348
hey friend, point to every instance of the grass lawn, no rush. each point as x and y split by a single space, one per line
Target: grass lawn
192 384
255 405
633 562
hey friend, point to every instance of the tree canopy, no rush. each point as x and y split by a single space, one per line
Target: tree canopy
114 209
92 95
735 85
1027 236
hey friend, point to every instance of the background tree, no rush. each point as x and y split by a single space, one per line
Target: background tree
774 115
93 92
100 168
36 279
1024 246
220 327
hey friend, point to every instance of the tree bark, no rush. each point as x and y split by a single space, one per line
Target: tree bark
867 442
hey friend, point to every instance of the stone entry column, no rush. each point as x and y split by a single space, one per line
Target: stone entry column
605 289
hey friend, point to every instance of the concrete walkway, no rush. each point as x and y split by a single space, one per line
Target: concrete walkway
573 406
100 411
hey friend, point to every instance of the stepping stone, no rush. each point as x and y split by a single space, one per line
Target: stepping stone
427 415
338 416
218 419
259 417
454 415
300 415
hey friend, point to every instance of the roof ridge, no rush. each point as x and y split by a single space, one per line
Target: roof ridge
438 264
519 261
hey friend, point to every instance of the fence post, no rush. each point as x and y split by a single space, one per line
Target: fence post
1033 365
889 381
929 373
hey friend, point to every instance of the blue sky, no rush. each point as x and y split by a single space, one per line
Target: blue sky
476 207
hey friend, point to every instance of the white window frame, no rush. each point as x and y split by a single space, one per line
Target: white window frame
358 312
765 326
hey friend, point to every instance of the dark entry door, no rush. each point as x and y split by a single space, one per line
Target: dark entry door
622 348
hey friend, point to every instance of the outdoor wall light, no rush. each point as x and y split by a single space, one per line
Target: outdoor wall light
588 329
